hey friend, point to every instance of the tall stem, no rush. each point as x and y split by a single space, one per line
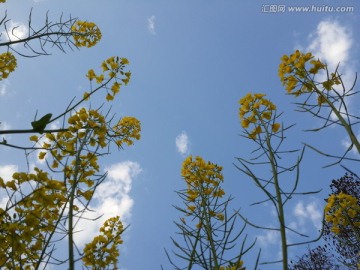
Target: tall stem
71 204
279 201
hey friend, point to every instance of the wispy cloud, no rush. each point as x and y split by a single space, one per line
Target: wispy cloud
4 87
182 143
270 237
332 42
112 199
151 25
15 31
6 171
5 126
308 212
346 144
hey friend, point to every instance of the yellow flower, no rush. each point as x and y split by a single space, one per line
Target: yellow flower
321 99
85 34
11 184
100 78
328 84
42 155
91 74
259 109
34 138
219 193
245 123
275 127
103 250
335 229
2 184
115 88
124 61
220 216
293 72
128 128
7 64
352 213
191 208
266 115
256 131
317 65
109 97
259 96
339 209
86 96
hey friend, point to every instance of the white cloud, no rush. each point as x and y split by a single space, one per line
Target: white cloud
4 87
151 25
182 143
346 144
270 237
331 42
6 171
5 126
112 198
311 211
15 31
3 202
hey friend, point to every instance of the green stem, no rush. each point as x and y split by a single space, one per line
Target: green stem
343 122
281 215
209 233
278 198
71 205
193 252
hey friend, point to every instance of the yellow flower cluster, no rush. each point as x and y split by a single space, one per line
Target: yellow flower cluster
292 71
113 67
84 120
82 123
257 111
103 250
7 64
234 266
297 76
126 130
342 210
85 34
203 183
89 129
25 232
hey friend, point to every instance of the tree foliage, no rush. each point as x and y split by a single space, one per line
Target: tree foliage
341 229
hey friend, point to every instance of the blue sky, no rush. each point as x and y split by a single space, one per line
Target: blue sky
191 62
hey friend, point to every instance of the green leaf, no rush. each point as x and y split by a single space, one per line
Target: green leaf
40 125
